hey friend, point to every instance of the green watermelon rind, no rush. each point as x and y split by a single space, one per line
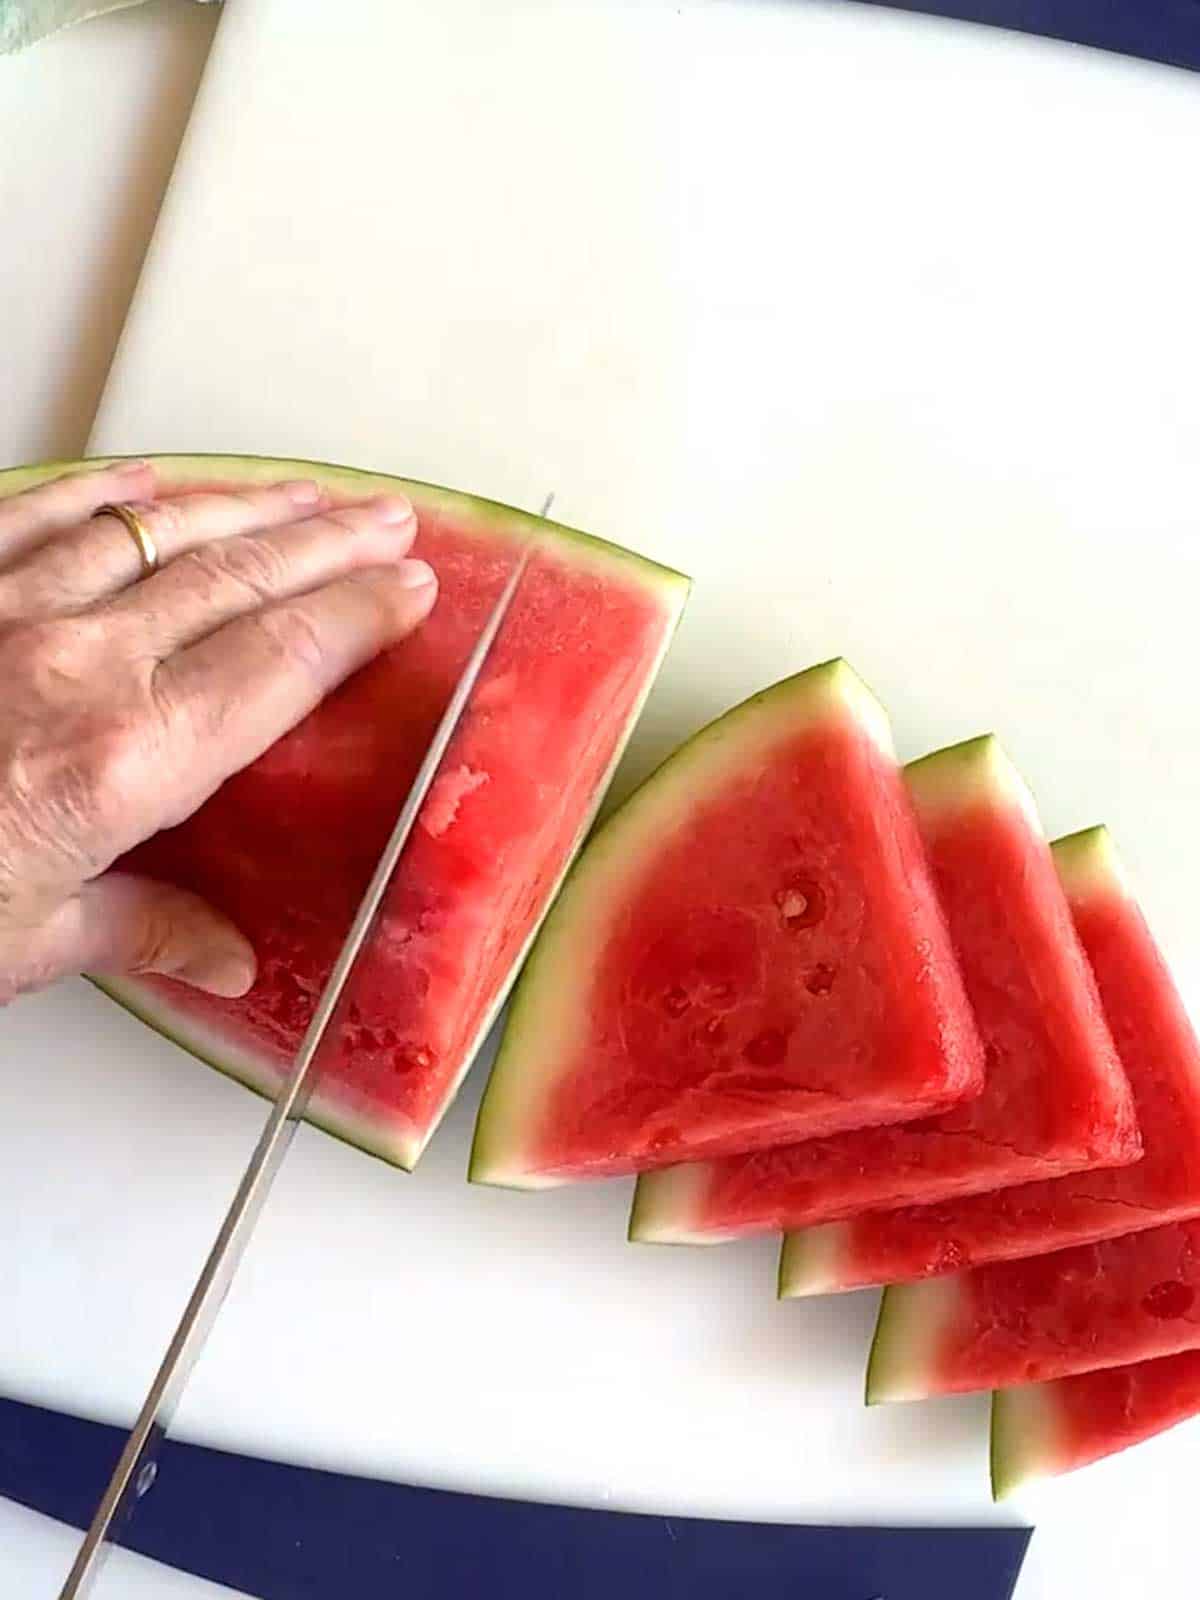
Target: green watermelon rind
665 1202
1088 862
235 1062
1024 1438
206 1044
516 1087
663 1205
904 1351
202 467
807 1261
978 768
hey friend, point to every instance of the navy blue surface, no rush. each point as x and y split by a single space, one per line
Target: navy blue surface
1160 30
286 1533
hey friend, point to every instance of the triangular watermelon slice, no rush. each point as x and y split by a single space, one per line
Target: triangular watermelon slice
750 951
1042 1429
1056 1098
287 846
1045 1317
1158 1045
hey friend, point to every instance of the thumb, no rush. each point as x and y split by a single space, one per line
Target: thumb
130 925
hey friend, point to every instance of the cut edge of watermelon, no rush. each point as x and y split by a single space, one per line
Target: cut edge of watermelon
523 1079
1024 1437
908 1336
180 470
586 825
809 1259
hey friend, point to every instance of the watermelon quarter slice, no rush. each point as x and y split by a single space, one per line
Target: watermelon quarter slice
287 846
1056 1098
750 951
1043 1429
1158 1046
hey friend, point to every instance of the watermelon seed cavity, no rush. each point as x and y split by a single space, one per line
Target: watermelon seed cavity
1169 1300
766 1049
801 904
676 1001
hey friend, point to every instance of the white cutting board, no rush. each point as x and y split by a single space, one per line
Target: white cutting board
881 327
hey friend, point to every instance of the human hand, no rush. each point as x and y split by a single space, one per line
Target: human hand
124 704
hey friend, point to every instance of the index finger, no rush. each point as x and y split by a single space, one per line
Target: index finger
228 698
28 519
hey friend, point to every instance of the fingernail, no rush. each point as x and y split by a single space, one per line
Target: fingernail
128 469
303 492
228 973
416 574
393 508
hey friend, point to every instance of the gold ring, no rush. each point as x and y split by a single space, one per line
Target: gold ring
138 532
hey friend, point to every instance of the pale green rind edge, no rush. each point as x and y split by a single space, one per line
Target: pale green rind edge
182 468
808 1260
1089 862
1022 1445
912 1320
664 1206
514 1093
978 768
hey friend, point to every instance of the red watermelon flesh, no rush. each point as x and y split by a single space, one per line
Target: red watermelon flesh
1043 1429
1056 1098
749 951
287 846
1045 1317
1158 1045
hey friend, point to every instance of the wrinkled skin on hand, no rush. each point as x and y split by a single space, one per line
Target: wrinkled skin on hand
127 699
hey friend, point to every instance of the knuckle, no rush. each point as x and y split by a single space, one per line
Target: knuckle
57 654
294 634
108 773
349 519
199 570
82 802
256 564
249 564
381 597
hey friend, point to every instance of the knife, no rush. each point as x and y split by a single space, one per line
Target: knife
137 1467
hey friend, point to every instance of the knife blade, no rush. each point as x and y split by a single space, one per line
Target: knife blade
137 1466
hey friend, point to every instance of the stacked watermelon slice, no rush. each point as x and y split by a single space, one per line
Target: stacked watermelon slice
794 986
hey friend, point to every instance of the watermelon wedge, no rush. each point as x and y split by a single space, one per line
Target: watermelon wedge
1056 1098
1013 1322
287 846
749 951
1043 1429
1159 1048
